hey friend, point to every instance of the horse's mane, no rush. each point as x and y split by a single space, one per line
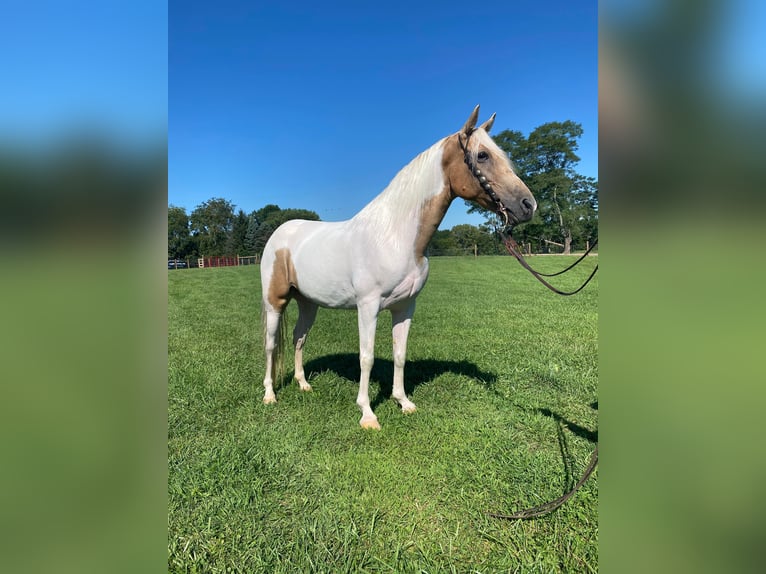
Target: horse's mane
401 201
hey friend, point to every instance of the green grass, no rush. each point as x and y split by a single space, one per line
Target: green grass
504 374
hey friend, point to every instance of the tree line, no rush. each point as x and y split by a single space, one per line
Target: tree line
215 228
566 218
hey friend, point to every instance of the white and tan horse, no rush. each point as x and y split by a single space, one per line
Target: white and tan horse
376 260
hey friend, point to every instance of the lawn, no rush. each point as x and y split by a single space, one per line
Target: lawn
504 374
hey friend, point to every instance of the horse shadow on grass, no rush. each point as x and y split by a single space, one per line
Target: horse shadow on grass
416 372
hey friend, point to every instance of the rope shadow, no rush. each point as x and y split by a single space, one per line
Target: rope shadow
574 428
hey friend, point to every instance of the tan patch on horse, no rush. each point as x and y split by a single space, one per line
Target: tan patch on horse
459 178
283 278
431 216
458 181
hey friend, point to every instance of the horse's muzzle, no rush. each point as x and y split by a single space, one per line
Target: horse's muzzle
527 207
523 211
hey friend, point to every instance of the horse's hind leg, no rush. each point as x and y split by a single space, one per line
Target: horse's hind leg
270 334
271 329
368 319
401 319
307 312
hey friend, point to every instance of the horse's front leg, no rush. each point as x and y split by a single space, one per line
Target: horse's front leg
401 318
368 319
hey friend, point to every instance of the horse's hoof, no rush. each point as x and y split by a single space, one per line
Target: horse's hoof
269 400
370 424
306 388
406 405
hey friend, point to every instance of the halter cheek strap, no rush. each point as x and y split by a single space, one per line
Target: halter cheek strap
501 209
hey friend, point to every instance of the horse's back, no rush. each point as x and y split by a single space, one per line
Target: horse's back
286 234
316 256
314 238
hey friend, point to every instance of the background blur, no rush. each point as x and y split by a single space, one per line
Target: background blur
83 189
83 176
681 140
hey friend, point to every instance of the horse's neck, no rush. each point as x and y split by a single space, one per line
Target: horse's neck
413 198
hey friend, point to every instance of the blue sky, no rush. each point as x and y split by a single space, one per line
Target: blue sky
318 105
80 64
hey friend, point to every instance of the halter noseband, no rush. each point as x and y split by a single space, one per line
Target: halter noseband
501 209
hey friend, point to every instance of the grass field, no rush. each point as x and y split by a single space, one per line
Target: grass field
504 374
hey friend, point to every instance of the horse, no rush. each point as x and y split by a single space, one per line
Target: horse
377 259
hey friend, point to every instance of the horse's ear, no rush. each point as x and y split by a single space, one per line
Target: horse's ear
486 126
471 123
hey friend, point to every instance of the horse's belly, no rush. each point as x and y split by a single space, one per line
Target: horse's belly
333 298
325 281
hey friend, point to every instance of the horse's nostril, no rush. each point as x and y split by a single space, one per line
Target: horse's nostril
528 205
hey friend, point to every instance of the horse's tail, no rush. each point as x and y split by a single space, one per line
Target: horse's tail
280 342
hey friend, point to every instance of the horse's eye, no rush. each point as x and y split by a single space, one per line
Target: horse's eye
483 156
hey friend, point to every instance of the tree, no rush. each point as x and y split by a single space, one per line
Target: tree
442 243
265 212
213 229
237 238
467 236
212 223
278 218
567 202
180 244
265 221
262 234
250 234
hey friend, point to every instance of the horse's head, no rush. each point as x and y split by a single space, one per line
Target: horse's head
479 171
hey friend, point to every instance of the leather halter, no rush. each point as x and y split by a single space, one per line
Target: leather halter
486 186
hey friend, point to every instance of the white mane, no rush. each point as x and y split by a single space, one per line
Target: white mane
401 201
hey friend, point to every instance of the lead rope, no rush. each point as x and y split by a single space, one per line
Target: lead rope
550 506
514 250
573 265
